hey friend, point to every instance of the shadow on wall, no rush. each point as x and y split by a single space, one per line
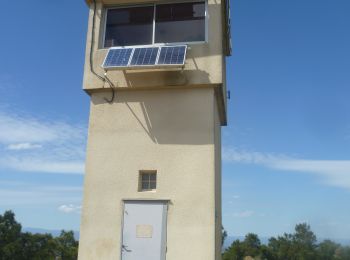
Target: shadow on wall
157 78
175 116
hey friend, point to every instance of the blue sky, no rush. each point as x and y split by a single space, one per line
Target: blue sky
285 151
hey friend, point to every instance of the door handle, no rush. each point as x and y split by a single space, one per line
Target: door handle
126 248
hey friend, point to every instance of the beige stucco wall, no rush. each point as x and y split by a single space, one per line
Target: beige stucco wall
175 132
217 184
204 65
164 120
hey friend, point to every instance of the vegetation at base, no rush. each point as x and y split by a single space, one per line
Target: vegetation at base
301 245
18 245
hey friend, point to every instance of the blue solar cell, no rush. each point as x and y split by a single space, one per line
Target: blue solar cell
144 56
172 55
117 58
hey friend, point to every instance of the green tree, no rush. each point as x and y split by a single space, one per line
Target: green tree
326 250
304 242
67 246
342 253
15 245
266 253
10 231
234 252
301 245
223 235
251 245
38 246
282 246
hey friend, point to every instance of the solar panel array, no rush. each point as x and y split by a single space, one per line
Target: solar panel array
145 57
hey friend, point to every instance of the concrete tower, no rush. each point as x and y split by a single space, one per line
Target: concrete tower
155 73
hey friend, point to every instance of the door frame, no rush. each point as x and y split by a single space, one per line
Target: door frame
166 203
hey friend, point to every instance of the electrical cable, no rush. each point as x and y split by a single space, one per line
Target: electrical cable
92 43
105 78
111 85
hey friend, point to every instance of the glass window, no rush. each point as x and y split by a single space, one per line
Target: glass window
178 22
129 26
148 181
183 22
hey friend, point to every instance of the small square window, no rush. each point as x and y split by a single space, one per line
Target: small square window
148 181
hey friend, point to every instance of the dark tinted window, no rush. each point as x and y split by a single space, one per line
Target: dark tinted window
183 22
129 26
148 181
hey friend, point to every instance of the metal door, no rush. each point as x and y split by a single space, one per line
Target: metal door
144 230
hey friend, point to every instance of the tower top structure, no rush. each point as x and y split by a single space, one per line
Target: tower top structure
205 32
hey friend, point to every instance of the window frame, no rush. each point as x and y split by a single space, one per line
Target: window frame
104 23
140 182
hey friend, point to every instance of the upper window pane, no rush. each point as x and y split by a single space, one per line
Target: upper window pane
183 22
129 26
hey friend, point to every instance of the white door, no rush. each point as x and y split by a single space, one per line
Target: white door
144 230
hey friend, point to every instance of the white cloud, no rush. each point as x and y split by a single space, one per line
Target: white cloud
23 146
26 193
71 208
234 197
234 155
332 172
62 145
15 128
241 214
47 166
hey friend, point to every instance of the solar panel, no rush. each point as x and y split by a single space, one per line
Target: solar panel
117 57
172 55
144 56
